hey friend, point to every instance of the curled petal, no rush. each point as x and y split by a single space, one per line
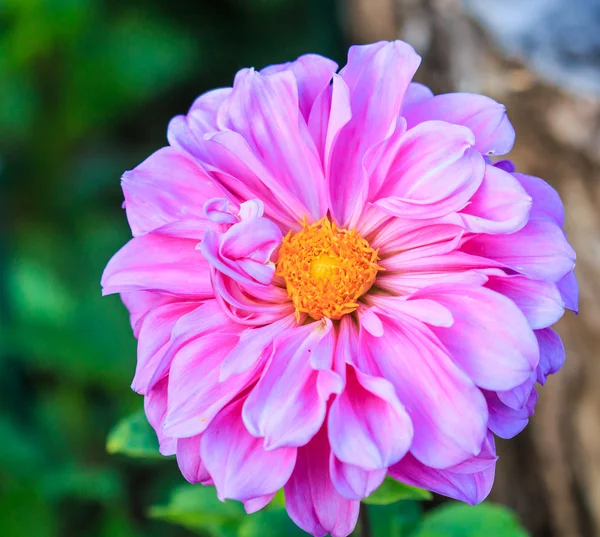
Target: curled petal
354 482
552 353
189 461
507 422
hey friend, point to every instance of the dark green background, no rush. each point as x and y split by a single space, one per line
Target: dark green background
87 88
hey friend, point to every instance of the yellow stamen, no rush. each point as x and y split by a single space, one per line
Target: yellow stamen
326 269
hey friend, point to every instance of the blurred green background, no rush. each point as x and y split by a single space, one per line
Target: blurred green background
87 88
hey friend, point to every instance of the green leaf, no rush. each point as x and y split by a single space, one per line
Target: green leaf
133 436
198 508
396 519
392 491
460 520
270 523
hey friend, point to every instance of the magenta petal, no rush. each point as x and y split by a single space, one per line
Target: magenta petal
539 251
552 353
264 111
501 205
189 461
288 391
494 135
448 412
367 425
238 463
377 76
507 422
155 262
311 499
168 186
154 339
435 172
195 392
547 204
353 482
490 338
470 487
539 300
155 406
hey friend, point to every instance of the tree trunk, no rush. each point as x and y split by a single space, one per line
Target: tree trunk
550 473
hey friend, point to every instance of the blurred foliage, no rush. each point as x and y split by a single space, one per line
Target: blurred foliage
86 90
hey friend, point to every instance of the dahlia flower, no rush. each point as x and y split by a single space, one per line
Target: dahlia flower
331 281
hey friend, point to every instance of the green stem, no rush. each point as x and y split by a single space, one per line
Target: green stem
365 527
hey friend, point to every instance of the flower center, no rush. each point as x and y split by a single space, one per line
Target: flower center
326 269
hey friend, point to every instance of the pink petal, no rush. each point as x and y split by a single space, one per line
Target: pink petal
377 76
423 309
539 301
313 74
154 339
140 303
448 412
286 406
435 172
311 499
539 251
189 461
256 504
552 353
195 393
415 93
238 463
470 487
353 482
264 111
155 262
517 397
490 338
494 135
547 204
168 186
501 205
155 406
367 425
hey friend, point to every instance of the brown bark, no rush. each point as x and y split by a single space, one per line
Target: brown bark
550 474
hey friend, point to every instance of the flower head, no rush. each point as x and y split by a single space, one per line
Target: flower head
332 282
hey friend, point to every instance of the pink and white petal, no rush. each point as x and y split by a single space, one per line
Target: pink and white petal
195 393
367 425
354 482
434 174
313 74
501 205
168 186
202 115
155 406
547 204
552 353
540 301
154 262
490 338
189 461
425 310
264 111
286 406
330 112
154 339
539 251
494 134
311 498
507 422
448 412
471 487
569 291
377 76
239 465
